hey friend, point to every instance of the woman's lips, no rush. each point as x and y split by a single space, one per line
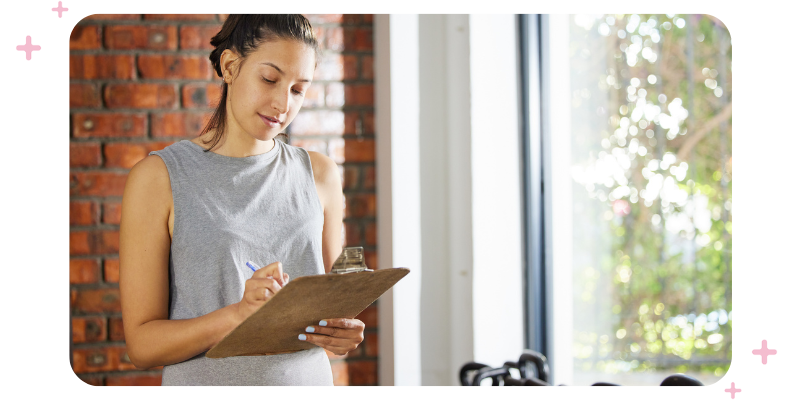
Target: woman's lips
270 122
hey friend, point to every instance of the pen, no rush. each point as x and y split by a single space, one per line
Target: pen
252 266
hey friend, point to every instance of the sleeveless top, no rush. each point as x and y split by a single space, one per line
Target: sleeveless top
228 211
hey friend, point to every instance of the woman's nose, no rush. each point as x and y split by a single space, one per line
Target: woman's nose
281 103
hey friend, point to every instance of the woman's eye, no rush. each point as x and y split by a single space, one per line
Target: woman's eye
267 80
297 92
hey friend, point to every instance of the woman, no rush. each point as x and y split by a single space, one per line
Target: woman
194 213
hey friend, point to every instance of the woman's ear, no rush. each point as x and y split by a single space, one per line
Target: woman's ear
227 61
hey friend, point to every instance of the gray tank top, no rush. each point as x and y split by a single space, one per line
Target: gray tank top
228 211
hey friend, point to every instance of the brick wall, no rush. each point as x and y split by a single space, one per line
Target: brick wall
142 82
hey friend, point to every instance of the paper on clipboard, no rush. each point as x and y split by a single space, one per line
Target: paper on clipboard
304 301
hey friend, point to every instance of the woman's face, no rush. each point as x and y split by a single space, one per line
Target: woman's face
268 90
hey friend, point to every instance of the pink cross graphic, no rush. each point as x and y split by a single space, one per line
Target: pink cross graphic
60 9
733 390
764 352
28 48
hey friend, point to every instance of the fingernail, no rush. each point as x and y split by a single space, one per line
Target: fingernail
323 323
310 329
301 337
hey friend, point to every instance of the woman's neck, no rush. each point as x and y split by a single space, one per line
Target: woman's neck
233 144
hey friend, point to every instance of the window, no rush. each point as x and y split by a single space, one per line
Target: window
635 113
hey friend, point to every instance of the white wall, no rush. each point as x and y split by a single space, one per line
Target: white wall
468 228
398 195
498 279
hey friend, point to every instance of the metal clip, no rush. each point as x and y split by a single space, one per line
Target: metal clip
351 260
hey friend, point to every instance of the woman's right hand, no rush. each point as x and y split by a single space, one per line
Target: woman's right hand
259 289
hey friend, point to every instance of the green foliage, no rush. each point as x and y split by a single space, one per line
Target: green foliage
660 176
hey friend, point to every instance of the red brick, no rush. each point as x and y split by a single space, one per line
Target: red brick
324 18
140 95
93 66
73 296
134 380
83 271
330 67
340 375
160 66
359 94
368 18
358 39
370 315
84 155
359 150
350 66
318 145
350 178
93 242
336 150
84 37
363 373
334 38
352 235
116 333
351 19
180 17
369 123
88 329
102 359
371 259
371 234
370 344
126 155
201 95
198 37
92 380
82 213
99 183
109 125
315 96
367 69
319 34
84 95
133 37
112 213
111 270
113 17
369 178
178 124
351 118
360 205
98 300
334 95
322 122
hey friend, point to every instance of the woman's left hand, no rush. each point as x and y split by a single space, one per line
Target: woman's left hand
338 335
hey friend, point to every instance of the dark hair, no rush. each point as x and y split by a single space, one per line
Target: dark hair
243 33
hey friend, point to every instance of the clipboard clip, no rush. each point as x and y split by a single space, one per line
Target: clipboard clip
351 260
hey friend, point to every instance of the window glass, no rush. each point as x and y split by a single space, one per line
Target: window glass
652 208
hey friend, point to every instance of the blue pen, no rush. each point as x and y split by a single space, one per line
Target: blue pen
252 266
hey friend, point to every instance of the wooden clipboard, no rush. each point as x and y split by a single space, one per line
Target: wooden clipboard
304 301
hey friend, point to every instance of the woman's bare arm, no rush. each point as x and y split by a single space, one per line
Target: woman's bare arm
152 339
329 189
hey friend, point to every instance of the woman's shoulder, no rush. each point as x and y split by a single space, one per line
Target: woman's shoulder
325 169
149 174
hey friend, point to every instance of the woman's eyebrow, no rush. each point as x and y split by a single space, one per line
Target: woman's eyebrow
281 71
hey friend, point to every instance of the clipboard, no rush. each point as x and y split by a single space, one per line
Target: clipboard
304 301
